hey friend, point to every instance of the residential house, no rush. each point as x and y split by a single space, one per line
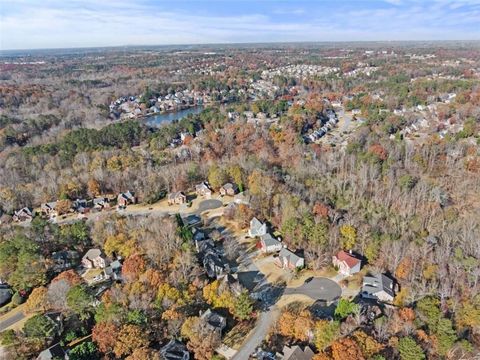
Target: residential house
177 197
214 264
54 352
100 203
268 244
49 209
94 259
174 350
126 198
231 283
379 287
288 260
214 321
296 353
64 260
114 270
202 245
56 318
257 228
80 206
242 198
25 214
346 263
198 234
203 189
229 189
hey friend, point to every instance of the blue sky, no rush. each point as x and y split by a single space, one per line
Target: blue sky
29 24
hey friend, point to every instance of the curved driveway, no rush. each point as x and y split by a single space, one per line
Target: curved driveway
318 289
208 204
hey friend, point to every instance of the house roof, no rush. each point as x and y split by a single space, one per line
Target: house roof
290 256
54 352
377 283
269 240
296 353
255 224
92 254
5 294
202 186
174 350
214 319
175 194
349 259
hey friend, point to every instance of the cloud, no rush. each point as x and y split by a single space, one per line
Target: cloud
75 23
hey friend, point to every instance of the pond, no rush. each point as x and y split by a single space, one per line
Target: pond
159 119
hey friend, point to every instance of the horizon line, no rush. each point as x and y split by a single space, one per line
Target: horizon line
243 43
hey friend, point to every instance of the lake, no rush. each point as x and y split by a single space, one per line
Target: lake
159 119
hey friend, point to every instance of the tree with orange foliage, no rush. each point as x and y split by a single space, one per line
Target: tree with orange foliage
133 267
104 334
404 269
130 338
320 210
346 349
378 151
37 301
93 187
70 276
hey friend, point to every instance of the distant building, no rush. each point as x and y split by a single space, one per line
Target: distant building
174 350
177 198
288 260
296 353
257 228
346 263
214 321
126 198
203 189
25 214
379 287
268 244
94 259
229 189
55 352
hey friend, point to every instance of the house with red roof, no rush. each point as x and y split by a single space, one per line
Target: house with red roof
346 263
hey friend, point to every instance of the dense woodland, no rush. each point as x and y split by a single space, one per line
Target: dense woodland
410 208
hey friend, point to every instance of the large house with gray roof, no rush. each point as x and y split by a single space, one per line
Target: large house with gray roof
379 287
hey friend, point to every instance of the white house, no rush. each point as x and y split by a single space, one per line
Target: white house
257 228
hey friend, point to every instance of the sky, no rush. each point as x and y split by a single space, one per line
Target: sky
38 24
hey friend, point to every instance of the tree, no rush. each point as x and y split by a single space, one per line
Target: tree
104 334
349 236
93 187
37 301
70 276
120 245
216 177
133 267
367 343
129 338
202 341
243 306
409 349
39 326
80 301
345 308
346 349
63 206
446 336
325 333
144 354
84 351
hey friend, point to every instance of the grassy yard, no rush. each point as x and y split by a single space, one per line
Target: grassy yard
235 338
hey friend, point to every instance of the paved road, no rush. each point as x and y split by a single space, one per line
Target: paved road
318 289
11 320
209 204
264 323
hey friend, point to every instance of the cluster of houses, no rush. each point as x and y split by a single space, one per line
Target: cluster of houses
380 287
327 125
51 210
286 259
302 71
132 106
203 190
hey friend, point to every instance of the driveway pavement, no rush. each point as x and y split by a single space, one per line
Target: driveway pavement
318 289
